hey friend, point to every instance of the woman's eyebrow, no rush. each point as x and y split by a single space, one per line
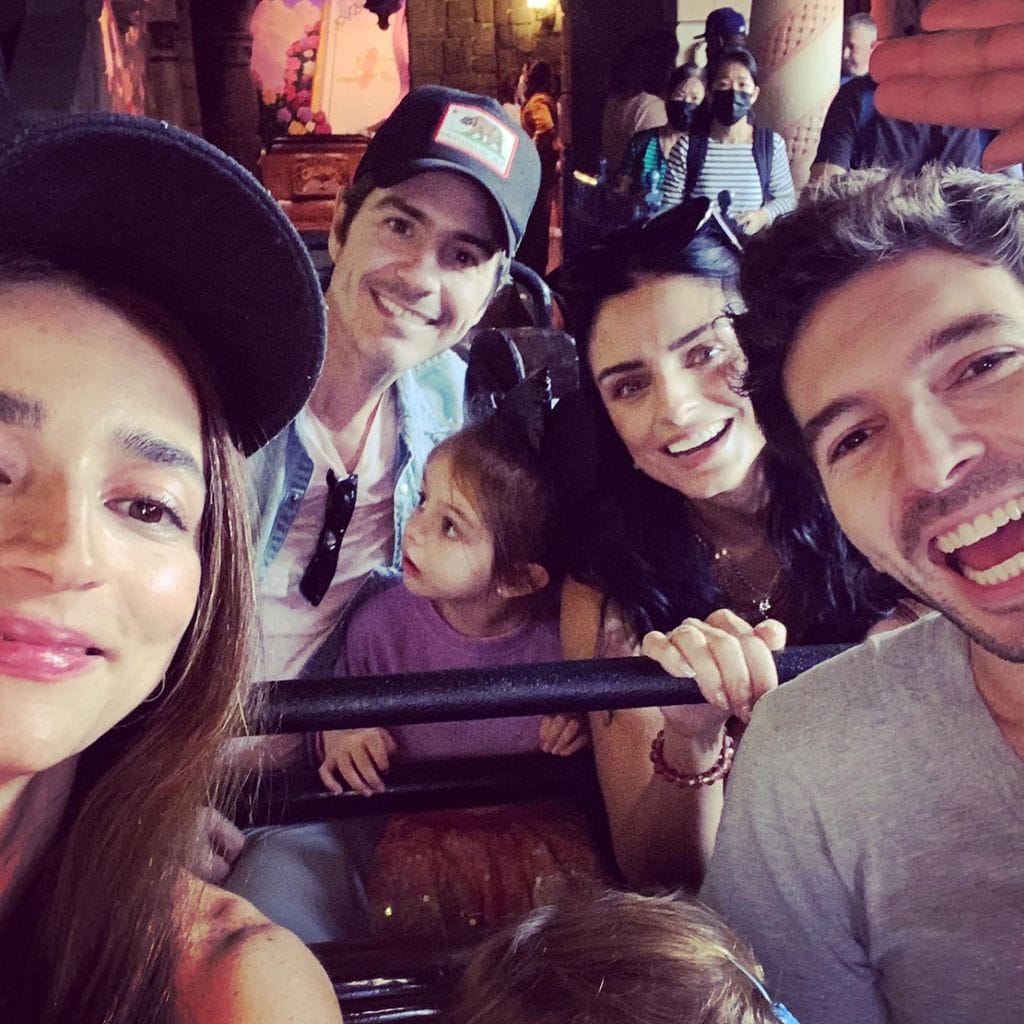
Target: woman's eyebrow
151 448
693 335
627 367
19 411
637 364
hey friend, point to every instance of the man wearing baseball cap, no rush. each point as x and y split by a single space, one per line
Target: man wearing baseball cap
421 241
723 28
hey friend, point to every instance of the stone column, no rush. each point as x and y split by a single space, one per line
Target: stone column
163 56
192 115
222 44
798 44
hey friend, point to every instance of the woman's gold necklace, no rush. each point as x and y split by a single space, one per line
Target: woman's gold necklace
764 604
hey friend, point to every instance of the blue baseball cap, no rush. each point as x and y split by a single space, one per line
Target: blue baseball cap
136 202
439 129
722 23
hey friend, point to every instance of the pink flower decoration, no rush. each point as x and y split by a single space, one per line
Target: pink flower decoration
303 97
284 115
304 114
292 64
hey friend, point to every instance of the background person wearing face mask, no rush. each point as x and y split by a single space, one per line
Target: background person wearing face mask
648 150
725 152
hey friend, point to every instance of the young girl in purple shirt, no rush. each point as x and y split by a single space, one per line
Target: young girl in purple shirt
475 592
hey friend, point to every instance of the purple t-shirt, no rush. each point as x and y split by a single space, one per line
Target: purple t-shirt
397 632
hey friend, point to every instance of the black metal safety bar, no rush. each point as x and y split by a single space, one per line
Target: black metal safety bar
396 985
309 705
288 797
413 981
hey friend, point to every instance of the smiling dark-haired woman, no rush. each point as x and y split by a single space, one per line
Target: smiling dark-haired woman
682 533
137 362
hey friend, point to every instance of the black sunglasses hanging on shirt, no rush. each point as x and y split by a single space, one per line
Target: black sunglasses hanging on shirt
341 503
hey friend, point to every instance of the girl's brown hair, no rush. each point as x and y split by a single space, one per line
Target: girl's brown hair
504 483
613 958
96 932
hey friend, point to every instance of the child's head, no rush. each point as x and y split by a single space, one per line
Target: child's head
482 522
614 958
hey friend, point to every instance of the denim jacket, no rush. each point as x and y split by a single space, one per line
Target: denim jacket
429 404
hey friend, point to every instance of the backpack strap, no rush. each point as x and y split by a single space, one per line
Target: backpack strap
696 154
764 151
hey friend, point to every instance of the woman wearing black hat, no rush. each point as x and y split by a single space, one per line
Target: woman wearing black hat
128 382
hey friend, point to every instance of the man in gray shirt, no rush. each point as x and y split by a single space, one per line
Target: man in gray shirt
872 842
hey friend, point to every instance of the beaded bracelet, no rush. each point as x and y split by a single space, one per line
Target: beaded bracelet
717 771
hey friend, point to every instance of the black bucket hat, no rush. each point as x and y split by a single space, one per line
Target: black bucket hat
140 203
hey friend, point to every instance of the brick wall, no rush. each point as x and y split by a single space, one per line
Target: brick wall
472 44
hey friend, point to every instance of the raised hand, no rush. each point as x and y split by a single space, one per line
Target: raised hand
969 73
730 660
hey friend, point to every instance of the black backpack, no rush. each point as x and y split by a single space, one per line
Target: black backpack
697 151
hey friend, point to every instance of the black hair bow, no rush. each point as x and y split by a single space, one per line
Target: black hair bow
523 413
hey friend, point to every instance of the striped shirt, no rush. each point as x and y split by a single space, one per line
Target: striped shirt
730 166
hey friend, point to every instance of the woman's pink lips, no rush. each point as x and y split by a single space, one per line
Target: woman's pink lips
409 566
42 652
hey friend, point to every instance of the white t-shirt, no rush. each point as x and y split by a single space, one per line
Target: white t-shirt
291 628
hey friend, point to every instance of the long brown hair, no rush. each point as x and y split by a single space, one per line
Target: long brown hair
613 958
95 933
503 481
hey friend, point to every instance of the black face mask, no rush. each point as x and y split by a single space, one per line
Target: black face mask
680 114
729 105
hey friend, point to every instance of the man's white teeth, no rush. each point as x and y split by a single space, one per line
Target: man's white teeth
1000 573
983 526
401 312
696 440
